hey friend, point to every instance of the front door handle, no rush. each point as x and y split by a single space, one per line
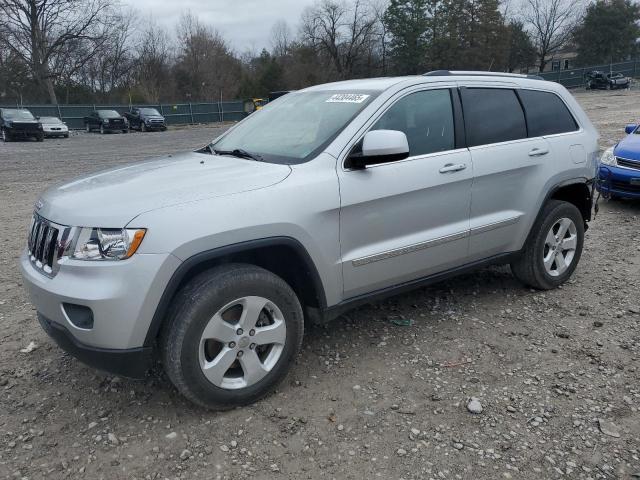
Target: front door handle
451 167
538 152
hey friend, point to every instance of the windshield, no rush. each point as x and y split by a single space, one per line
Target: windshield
149 111
18 115
296 127
108 114
50 120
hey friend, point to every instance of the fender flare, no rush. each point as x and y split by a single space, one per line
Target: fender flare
206 256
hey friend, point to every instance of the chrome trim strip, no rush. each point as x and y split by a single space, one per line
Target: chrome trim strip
495 225
627 160
358 262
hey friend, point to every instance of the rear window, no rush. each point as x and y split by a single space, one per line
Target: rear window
546 113
492 115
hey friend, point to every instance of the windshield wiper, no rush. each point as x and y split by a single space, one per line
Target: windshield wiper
240 153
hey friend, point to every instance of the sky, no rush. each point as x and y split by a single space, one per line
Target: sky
245 24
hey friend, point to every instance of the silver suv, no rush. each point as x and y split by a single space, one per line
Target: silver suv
326 198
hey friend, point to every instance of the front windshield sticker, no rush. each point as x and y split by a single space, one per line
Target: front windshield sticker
347 98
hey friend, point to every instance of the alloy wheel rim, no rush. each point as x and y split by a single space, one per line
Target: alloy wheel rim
560 247
242 342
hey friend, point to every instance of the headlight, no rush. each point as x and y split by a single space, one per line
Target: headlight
106 120
107 243
608 158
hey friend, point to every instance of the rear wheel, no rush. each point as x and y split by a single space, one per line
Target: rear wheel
231 336
554 247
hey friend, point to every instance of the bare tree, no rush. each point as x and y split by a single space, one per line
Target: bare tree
551 24
155 58
38 31
341 31
280 38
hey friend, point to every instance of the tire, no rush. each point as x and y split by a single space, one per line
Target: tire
40 138
126 130
66 135
530 267
101 129
87 128
6 136
143 127
219 293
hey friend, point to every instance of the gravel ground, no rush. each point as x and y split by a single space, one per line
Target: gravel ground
554 373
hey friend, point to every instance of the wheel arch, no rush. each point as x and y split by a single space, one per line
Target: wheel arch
283 256
576 192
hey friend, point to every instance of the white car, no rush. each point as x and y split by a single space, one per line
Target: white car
54 127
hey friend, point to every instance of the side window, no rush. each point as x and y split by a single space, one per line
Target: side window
426 118
546 113
492 115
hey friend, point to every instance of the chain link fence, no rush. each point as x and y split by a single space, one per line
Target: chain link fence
174 113
575 77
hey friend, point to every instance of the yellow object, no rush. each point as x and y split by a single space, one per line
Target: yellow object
135 243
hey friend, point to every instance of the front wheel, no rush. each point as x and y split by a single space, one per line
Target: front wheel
554 247
231 336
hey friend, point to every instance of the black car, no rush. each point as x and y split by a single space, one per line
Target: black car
106 121
146 118
606 81
19 123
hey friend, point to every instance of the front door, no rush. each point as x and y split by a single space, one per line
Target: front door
404 220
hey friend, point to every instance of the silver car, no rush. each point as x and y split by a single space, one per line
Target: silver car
326 198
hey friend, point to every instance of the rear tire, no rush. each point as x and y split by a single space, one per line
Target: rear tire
553 249
214 344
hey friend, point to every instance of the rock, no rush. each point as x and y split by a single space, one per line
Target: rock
274 467
93 425
340 427
29 348
598 324
511 409
3 382
113 440
474 406
233 444
171 436
415 431
608 428
185 455
458 446
224 448
401 452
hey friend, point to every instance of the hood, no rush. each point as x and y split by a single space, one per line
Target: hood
629 147
112 198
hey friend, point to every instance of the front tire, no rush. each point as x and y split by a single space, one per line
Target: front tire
553 249
231 336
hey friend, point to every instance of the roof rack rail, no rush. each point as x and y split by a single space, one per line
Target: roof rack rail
445 73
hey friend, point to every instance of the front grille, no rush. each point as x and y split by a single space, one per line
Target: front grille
623 162
625 186
46 243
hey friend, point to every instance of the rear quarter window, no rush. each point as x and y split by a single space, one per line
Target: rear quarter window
492 115
546 113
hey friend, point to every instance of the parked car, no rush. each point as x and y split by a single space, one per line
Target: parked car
54 127
619 172
327 198
19 123
106 121
606 81
145 118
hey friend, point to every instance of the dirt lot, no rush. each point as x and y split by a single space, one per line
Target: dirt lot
367 398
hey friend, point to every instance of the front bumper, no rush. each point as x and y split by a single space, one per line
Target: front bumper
132 363
49 132
619 181
122 297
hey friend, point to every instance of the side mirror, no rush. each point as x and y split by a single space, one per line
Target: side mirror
630 128
380 146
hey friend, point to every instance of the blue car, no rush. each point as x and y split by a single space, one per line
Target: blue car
619 171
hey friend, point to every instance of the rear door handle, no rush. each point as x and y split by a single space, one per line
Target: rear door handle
538 152
450 167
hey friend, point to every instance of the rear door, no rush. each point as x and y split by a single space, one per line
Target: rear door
508 169
407 219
